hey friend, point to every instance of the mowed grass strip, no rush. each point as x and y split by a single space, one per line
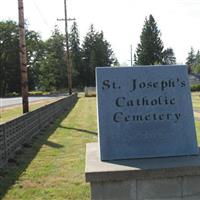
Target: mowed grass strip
53 168
9 113
197 125
196 100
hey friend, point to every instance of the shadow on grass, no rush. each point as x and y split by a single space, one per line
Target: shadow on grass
78 129
16 166
53 145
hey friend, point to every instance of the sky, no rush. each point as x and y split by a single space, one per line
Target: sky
121 21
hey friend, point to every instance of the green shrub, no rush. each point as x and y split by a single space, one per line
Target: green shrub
12 94
195 88
38 93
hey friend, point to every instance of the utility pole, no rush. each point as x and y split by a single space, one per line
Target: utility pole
131 56
69 74
68 58
23 58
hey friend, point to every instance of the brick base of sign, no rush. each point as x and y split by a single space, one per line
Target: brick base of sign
172 178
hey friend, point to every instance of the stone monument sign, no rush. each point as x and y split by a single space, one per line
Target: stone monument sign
144 111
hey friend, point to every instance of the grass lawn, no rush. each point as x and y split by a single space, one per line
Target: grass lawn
197 125
10 113
196 100
53 168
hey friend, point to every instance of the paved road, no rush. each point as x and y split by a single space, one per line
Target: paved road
6 102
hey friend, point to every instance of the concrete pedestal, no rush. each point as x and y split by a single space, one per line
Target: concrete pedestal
173 178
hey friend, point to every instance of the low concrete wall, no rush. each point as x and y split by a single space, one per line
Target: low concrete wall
172 178
90 91
16 132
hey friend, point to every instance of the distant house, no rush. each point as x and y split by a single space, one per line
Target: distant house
194 79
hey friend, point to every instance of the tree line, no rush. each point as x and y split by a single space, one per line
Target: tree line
150 50
193 61
47 68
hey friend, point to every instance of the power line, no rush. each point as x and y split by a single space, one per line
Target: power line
131 56
40 13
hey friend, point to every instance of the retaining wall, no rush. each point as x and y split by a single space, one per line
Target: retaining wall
15 133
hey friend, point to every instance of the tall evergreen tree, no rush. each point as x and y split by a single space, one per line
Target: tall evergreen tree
96 52
149 50
75 53
190 60
88 56
196 66
168 57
